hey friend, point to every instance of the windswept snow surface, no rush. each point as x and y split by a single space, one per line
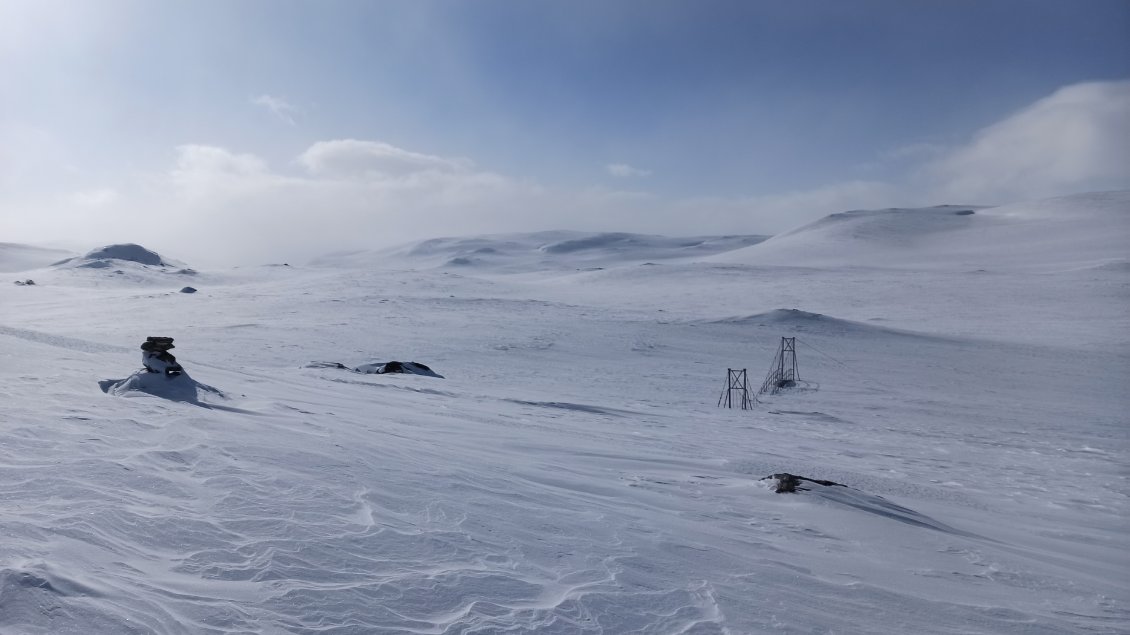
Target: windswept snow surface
572 473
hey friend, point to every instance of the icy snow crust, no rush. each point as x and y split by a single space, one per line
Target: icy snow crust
572 473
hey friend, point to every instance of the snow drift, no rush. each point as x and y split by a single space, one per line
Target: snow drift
179 387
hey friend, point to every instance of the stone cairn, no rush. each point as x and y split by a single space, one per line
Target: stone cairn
156 358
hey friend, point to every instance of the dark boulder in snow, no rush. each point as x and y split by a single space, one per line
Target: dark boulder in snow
328 365
853 499
382 368
188 290
791 483
407 368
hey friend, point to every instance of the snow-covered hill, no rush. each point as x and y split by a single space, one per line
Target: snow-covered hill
124 254
570 471
15 257
1081 231
550 250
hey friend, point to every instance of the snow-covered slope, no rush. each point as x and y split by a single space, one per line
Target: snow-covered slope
125 264
1081 231
571 471
16 257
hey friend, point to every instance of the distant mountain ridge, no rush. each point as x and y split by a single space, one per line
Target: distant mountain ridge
1080 231
546 249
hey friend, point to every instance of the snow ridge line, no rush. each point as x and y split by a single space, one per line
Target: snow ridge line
62 341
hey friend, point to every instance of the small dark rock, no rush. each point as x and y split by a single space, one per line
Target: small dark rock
188 290
382 368
791 483
407 368
328 365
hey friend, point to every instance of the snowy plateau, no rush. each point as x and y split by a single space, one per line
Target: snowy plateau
965 377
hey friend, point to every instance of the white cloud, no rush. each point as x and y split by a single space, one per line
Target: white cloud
1076 139
201 168
201 159
99 197
215 206
352 158
278 107
623 170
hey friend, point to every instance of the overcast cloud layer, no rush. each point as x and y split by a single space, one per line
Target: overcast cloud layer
296 175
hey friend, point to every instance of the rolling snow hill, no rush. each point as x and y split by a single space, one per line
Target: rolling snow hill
15 257
568 470
550 250
1081 231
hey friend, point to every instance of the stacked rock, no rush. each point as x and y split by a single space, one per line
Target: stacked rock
156 357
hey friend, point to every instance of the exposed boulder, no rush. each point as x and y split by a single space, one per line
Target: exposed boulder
791 483
382 368
407 368
328 365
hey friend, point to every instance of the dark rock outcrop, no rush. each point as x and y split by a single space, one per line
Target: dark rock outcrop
382 368
156 358
407 368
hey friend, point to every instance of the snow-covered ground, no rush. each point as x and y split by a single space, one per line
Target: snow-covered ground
965 375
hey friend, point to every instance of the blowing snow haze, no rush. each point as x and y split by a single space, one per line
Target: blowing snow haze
460 291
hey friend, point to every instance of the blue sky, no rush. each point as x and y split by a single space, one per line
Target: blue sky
672 117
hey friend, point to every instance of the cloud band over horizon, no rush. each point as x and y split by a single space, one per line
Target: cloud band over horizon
353 193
